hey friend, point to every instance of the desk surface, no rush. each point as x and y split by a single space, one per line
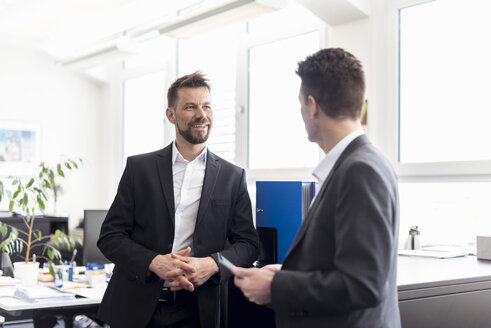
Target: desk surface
414 272
90 296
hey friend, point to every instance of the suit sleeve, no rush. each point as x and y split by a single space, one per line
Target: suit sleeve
364 242
241 234
114 240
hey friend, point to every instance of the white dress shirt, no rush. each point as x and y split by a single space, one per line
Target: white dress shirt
325 166
188 182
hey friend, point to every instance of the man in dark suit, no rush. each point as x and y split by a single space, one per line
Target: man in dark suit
340 270
175 210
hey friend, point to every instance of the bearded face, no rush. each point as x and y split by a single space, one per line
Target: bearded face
192 115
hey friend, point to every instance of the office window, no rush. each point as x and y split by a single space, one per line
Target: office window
446 213
444 82
144 111
277 136
215 54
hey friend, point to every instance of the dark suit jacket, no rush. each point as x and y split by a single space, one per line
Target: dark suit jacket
341 268
140 225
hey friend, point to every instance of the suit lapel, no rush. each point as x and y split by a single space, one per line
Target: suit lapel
211 174
164 164
357 142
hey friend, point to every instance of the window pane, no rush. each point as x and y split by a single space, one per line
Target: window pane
277 136
215 54
144 110
446 213
444 81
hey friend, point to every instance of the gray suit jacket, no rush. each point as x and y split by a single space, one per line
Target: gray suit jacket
341 268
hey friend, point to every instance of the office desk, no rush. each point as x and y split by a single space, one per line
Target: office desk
444 292
450 293
87 302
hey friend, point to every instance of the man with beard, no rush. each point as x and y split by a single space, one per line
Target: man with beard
175 210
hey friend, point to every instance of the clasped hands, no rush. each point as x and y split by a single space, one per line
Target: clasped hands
183 272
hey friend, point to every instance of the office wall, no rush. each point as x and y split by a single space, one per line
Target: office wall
67 108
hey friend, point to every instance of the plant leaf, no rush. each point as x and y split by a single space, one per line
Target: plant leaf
60 171
51 269
40 203
46 184
73 163
68 166
37 234
16 193
11 206
50 254
3 230
51 177
29 184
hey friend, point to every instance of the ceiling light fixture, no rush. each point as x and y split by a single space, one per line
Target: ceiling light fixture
184 26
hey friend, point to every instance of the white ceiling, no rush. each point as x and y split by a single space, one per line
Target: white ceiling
61 28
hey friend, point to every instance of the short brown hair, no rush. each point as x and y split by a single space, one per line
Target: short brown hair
193 80
335 78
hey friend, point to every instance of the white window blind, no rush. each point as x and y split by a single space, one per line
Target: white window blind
215 55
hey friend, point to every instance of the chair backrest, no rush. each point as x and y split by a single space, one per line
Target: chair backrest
268 246
92 228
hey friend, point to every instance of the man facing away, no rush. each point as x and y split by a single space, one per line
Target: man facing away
340 270
174 211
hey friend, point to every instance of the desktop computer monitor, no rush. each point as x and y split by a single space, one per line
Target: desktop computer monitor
92 228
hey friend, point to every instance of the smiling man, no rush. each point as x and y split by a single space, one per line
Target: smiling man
175 210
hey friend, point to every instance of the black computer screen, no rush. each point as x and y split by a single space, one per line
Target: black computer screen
92 228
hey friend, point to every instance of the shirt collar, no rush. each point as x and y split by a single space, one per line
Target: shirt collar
325 166
176 155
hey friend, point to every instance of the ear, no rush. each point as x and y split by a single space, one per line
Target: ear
314 108
171 115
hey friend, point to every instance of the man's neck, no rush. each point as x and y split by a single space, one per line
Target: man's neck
188 150
335 131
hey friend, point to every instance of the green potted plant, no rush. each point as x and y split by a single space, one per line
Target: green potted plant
27 197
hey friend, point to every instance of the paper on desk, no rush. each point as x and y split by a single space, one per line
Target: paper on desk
8 281
41 293
432 253
71 285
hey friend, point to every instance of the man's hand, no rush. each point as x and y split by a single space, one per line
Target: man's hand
203 268
272 267
255 283
172 269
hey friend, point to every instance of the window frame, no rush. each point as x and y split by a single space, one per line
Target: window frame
386 121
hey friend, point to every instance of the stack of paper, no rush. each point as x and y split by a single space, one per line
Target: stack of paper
41 293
